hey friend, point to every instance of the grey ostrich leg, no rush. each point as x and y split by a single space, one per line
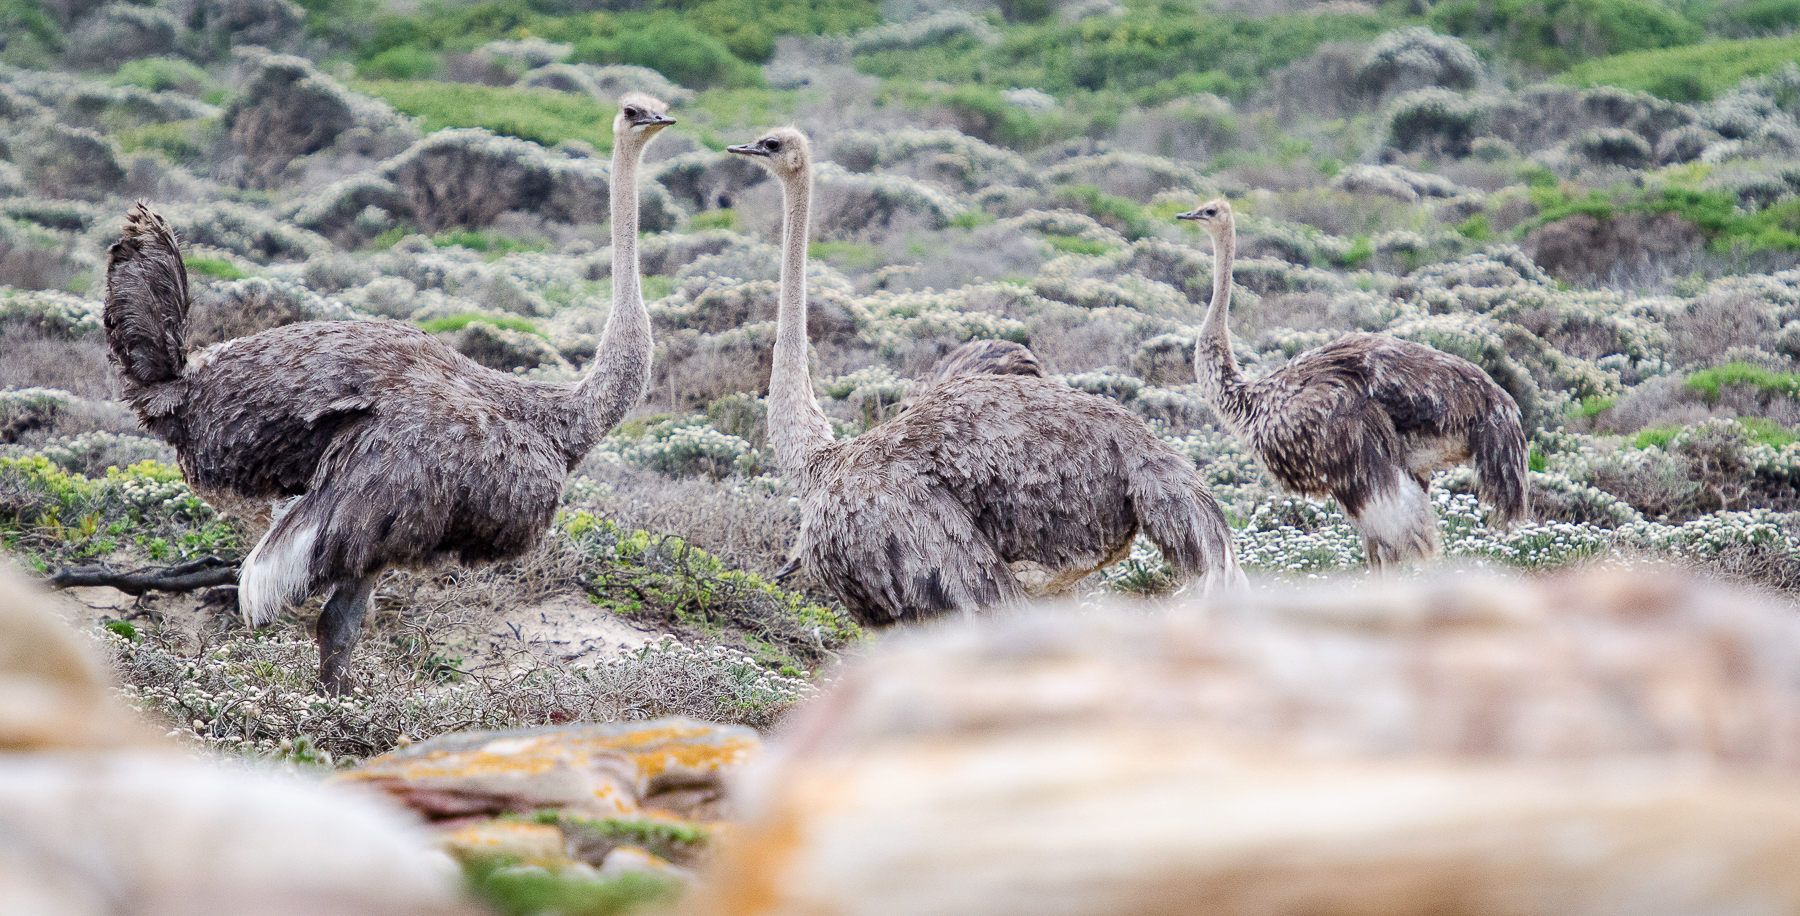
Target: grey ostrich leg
340 626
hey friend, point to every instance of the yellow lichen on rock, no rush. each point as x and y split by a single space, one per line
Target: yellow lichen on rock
512 841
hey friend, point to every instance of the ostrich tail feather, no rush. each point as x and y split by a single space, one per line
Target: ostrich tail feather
279 570
146 309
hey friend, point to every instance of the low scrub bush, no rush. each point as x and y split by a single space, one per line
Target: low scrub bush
1687 74
542 116
1558 33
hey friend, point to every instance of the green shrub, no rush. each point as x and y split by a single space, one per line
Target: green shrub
541 115
1121 213
669 45
525 892
407 62
1139 50
488 242
24 22
1707 382
214 267
1555 34
1690 74
159 74
453 323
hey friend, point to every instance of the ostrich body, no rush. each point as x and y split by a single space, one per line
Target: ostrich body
1365 419
989 489
395 449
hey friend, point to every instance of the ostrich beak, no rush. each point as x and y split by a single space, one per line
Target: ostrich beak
655 120
747 149
1191 214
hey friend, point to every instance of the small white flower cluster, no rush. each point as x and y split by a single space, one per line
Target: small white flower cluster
870 383
55 313
686 447
717 683
888 318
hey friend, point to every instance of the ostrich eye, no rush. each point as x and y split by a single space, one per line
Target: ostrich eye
632 113
773 146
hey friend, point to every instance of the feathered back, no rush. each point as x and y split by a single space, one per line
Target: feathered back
147 300
987 357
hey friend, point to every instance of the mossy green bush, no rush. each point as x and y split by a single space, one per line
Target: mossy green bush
1707 382
543 116
1149 45
55 516
454 323
1687 74
159 74
1556 34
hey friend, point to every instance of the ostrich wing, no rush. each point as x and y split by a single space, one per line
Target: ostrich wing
894 546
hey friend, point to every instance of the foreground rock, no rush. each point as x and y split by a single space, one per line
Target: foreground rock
1595 744
97 816
631 796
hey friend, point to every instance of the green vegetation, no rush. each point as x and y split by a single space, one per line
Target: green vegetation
714 219
710 43
159 74
454 323
669 581
1726 226
1555 34
182 142
31 33
1158 51
672 840
493 244
1074 245
1690 74
527 892
1707 382
851 254
540 115
214 267
56 516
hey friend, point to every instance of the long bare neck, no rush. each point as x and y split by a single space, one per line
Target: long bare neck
621 371
1214 367
798 429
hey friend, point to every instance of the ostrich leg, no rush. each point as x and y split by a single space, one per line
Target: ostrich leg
339 627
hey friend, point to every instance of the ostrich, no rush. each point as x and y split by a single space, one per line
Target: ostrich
989 489
986 357
1366 418
395 449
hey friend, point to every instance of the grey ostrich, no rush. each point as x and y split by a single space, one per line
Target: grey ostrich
397 449
1365 418
989 489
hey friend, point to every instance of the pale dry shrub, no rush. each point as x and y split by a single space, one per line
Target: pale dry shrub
751 527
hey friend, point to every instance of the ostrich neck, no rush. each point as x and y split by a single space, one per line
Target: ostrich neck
1215 368
621 371
798 429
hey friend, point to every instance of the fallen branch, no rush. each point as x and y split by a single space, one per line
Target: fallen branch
204 572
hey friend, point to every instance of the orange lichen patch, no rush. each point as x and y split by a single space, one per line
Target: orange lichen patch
682 747
525 844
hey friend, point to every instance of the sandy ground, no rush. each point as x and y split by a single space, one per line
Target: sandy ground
566 629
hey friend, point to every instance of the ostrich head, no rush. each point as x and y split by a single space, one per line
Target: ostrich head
784 151
639 119
1214 216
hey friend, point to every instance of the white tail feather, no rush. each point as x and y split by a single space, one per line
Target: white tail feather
277 572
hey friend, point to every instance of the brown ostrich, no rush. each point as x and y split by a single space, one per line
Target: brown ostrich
395 449
989 489
1366 419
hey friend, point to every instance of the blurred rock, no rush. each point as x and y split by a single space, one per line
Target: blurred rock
100 817
672 765
1608 742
